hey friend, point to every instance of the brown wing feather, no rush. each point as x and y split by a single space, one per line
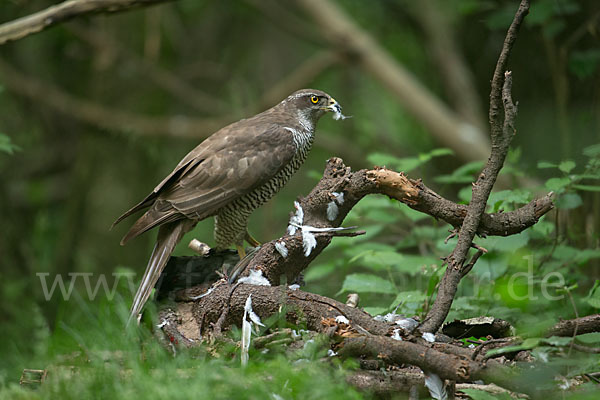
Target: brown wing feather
235 161
148 200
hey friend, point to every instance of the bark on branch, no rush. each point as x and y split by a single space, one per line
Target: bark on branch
338 178
65 11
502 131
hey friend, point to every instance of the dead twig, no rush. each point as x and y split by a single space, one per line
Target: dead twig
65 11
502 132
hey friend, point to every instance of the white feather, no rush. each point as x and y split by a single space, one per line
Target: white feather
430 337
309 242
255 278
435 386
281 249
332 211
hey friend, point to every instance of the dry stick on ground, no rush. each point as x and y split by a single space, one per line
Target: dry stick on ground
65 11
364 337
583 325
502 132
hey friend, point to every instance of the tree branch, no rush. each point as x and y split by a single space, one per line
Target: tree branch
65 11
103 116
467 141
582 325
502 133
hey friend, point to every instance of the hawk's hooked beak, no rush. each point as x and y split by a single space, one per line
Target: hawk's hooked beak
333 106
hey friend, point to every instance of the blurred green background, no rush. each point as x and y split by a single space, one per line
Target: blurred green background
96 111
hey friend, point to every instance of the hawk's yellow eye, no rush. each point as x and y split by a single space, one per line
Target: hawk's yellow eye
314 99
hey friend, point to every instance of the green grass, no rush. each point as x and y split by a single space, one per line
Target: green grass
90 355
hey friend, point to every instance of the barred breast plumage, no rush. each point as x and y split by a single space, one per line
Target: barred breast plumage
231 223
228 176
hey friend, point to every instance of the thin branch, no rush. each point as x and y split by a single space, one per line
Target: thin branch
65 11
103 116
502 132
355 185
579 326
163 78
451 130
448 58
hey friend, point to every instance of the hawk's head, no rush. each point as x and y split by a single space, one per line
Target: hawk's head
311 104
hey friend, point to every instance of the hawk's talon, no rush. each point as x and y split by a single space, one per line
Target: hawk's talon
251 241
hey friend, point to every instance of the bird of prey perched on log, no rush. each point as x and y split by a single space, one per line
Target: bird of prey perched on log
228 176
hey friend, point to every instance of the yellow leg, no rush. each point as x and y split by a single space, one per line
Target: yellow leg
253 242
241 251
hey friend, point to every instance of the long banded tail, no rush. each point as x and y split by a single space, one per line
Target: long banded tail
168 236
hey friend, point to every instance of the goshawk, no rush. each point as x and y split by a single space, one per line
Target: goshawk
228 176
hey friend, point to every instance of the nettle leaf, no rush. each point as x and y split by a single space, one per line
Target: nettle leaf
567 166
383 259
477 394
557 184
413 296
400 164
411 214
546 164
319 271
465 194
583 256
569 201
587 188
565 253
589 338
558 340
527 344
505 243
463 174
503 198
6 144
406 163
592 151
362 283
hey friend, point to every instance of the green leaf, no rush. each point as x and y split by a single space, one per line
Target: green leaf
592 151
590 338
413 296
587 188
477 394
319 271
505 198
441 152
463 174
566 166
584 64
583 256
465 194
546 164
557 184
527 344
406 163
362 283
558 340
6 145
375 310
569 201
